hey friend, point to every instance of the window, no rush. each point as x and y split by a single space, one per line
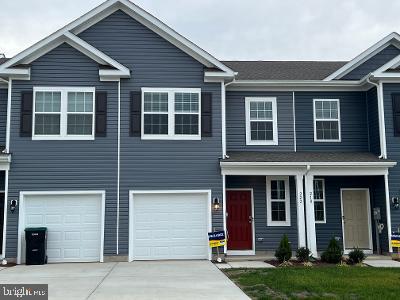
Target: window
261 121
396 114
326 120
171 113
278 201
63 113
319 201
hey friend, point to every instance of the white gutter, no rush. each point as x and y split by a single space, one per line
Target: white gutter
310 164
381 116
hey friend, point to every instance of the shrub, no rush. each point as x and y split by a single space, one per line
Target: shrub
356 256
284 252
303 254
333 254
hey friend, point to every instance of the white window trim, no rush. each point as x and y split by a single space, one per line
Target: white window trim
171 114
287 201
321 200
338 120
63 113
274 141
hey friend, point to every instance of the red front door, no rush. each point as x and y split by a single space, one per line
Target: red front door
239 220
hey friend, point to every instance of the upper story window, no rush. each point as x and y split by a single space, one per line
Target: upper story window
278 201
327 120
261 121
63 113
171 113
319 201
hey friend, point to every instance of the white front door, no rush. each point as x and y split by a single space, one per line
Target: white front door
356 219
74 224
169 226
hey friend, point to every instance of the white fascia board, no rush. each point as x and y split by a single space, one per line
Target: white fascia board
107 8
212 76
79 45
298 85
364 56
96 54
302 164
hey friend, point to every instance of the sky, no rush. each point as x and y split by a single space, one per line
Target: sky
228 29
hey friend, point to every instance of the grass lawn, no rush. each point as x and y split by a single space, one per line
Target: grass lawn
318 283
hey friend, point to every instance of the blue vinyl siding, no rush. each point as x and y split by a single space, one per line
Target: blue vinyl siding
373 63
236 121
64 165
373 121
271 234
353 115
158 165
393 149
3 115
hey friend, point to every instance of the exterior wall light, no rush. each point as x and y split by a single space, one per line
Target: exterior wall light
396 202
13 205
216 203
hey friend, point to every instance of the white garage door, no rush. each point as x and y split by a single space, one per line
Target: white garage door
73 222
169 226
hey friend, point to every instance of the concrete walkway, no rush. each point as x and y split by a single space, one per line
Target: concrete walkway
382 263
136 280
246 264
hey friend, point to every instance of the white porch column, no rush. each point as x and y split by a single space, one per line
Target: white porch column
301 222
310 218
388 213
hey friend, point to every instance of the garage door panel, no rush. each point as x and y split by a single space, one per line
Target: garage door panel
73 222
170 226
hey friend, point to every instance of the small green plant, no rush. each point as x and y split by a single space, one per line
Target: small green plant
333 254
284 252
303 254
356 256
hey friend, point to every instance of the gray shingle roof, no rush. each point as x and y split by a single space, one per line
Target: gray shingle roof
316 157
284 70
3 60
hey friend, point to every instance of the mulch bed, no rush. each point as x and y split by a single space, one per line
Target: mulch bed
316 263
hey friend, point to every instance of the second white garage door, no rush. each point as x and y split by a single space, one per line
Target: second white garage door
74 223
169 226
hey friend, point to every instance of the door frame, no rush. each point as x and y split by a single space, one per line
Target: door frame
21 214
132 194
244 252
367 191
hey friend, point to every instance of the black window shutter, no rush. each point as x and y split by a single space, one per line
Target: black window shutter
136 114
101 114
206 114
26 114
396 114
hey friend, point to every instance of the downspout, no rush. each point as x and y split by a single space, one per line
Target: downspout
118 159
381 116
294 122
223 103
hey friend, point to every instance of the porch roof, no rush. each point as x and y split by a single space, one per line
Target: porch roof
300 163
306 157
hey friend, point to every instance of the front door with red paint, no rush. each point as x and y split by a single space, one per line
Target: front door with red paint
239 220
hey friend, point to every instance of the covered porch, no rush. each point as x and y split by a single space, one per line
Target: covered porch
310 197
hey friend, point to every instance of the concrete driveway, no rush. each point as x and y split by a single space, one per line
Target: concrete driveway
136 280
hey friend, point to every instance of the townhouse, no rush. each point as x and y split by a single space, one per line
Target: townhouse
129 142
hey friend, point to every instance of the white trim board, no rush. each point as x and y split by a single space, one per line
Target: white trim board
4 233
367 191
21 212
107 8
393 38
253 229
132 193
